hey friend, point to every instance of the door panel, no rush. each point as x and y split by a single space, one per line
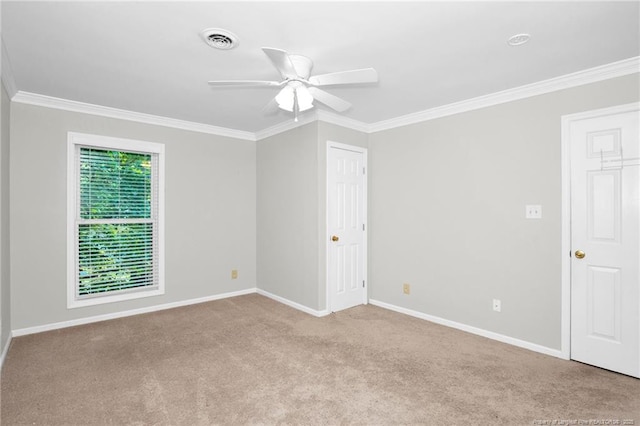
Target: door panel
603 211
603 312
605 225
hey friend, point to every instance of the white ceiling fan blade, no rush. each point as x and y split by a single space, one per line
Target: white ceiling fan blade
329 100
365 75
281 61
229 83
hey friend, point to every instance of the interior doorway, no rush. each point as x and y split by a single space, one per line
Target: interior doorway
346 226
601 250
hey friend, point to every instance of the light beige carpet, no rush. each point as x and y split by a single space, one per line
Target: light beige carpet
250 360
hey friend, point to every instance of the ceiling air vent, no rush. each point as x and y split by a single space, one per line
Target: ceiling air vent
518 39
220 39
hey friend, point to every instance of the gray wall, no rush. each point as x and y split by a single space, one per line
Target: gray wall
5 293
291 173
210 224
287 215
446 212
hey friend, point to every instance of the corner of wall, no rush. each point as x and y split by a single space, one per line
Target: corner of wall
6 72
5 291
5 351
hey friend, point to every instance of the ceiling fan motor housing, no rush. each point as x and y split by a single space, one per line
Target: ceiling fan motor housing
302 65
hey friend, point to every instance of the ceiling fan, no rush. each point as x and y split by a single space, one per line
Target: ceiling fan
298 88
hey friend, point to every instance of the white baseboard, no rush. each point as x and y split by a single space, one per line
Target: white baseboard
294 305
122 314
5 350
473 330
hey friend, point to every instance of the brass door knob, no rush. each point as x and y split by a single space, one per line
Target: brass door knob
579 254
334 238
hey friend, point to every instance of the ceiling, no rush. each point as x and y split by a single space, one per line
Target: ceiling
149 57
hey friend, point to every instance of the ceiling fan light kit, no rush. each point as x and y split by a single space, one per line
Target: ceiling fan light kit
299 90
292 94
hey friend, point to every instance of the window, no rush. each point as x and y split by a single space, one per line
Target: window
115 219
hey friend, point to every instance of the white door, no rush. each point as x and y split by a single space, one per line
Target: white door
605 242
346 214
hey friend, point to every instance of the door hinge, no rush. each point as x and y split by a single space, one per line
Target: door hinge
363 226
362 283
364 170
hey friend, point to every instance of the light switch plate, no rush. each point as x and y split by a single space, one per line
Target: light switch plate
533 211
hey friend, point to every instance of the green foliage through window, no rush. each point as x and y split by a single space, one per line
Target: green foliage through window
116 227
115 257
114 184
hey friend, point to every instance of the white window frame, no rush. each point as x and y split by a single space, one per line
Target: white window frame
116 144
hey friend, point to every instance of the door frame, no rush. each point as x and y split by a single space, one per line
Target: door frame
567 120
365 245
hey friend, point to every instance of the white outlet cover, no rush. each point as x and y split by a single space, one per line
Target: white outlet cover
533 211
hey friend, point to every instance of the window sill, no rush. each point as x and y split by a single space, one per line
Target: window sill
80 303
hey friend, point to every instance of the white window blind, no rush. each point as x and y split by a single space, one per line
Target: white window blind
116 223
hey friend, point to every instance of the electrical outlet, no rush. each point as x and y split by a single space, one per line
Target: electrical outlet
234 274
406 288
497 305
533 211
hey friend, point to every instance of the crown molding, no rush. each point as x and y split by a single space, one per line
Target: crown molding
103 111
591 75
317 115
7 72
306 118
339 120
